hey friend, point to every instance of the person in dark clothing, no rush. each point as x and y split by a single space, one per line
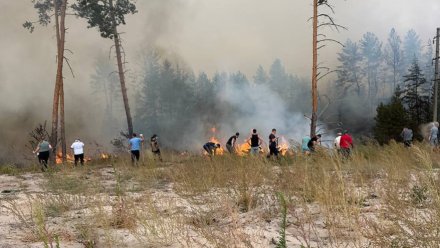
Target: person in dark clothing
407 135
230 144
273 144
155 147
314 141
42 152
255 142
210 148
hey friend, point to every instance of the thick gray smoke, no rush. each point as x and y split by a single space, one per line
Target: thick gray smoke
209 35
262 109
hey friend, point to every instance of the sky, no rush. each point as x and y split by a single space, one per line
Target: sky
207 35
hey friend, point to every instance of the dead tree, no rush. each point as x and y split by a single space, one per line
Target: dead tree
319 41
48 9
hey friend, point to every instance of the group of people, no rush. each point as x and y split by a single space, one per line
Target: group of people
253 140
135 144
343 143
43 151
135 147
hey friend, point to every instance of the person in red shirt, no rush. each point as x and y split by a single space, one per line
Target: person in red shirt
346 144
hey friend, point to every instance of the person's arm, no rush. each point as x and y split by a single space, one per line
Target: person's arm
38 149
129 145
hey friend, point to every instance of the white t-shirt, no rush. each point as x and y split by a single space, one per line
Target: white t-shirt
78 147
337 142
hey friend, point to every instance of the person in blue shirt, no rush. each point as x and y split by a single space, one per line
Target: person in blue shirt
135 144
304 145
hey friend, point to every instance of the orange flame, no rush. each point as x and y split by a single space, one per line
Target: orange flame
213 139
104 156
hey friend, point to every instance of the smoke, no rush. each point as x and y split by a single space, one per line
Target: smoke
209 35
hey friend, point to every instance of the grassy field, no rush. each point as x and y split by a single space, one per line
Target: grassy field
382 197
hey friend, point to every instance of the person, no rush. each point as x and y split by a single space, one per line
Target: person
255 141
313 142
304 145
273 144
337 142
230 144
155 147
134 144
78 151
407 135
346 144
210 148
42 152
433 135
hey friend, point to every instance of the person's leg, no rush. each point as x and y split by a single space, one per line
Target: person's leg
137 155
133 156
229 147
81 158
76 156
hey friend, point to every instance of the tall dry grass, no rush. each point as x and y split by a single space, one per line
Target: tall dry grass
382 196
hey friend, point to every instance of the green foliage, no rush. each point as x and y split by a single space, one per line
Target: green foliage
282 239
390 120
104 14
44 9
415 95
419 194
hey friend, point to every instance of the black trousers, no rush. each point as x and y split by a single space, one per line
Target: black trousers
79 157
273 151
135 155
43 157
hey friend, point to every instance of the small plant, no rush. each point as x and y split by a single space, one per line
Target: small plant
282 239
419 194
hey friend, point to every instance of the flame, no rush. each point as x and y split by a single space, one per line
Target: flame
69 158
104 156
283 146
243 149
213 139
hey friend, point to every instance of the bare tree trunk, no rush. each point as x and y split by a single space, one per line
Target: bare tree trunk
58 91
314 118
61 88
121 71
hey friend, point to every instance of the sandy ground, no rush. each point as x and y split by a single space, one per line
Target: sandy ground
253 226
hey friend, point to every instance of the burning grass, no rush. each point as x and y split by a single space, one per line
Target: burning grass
382 196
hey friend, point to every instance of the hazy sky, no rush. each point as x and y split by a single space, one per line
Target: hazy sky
209 35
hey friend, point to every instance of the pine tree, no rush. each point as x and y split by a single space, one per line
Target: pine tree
107 15
349 72
390 120
393 55
371 49
415 95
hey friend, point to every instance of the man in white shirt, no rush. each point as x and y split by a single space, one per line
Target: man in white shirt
78 151
337 142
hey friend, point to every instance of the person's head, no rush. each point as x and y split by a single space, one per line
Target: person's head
274 131
339 134
318 136
436 124
254 130
134 135
237 134
154 137
217 145
77 140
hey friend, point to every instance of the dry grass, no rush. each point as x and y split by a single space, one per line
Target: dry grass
382 197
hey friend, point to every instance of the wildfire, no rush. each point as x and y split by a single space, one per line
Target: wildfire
59 158
283 146
69 158
213 139
104 156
